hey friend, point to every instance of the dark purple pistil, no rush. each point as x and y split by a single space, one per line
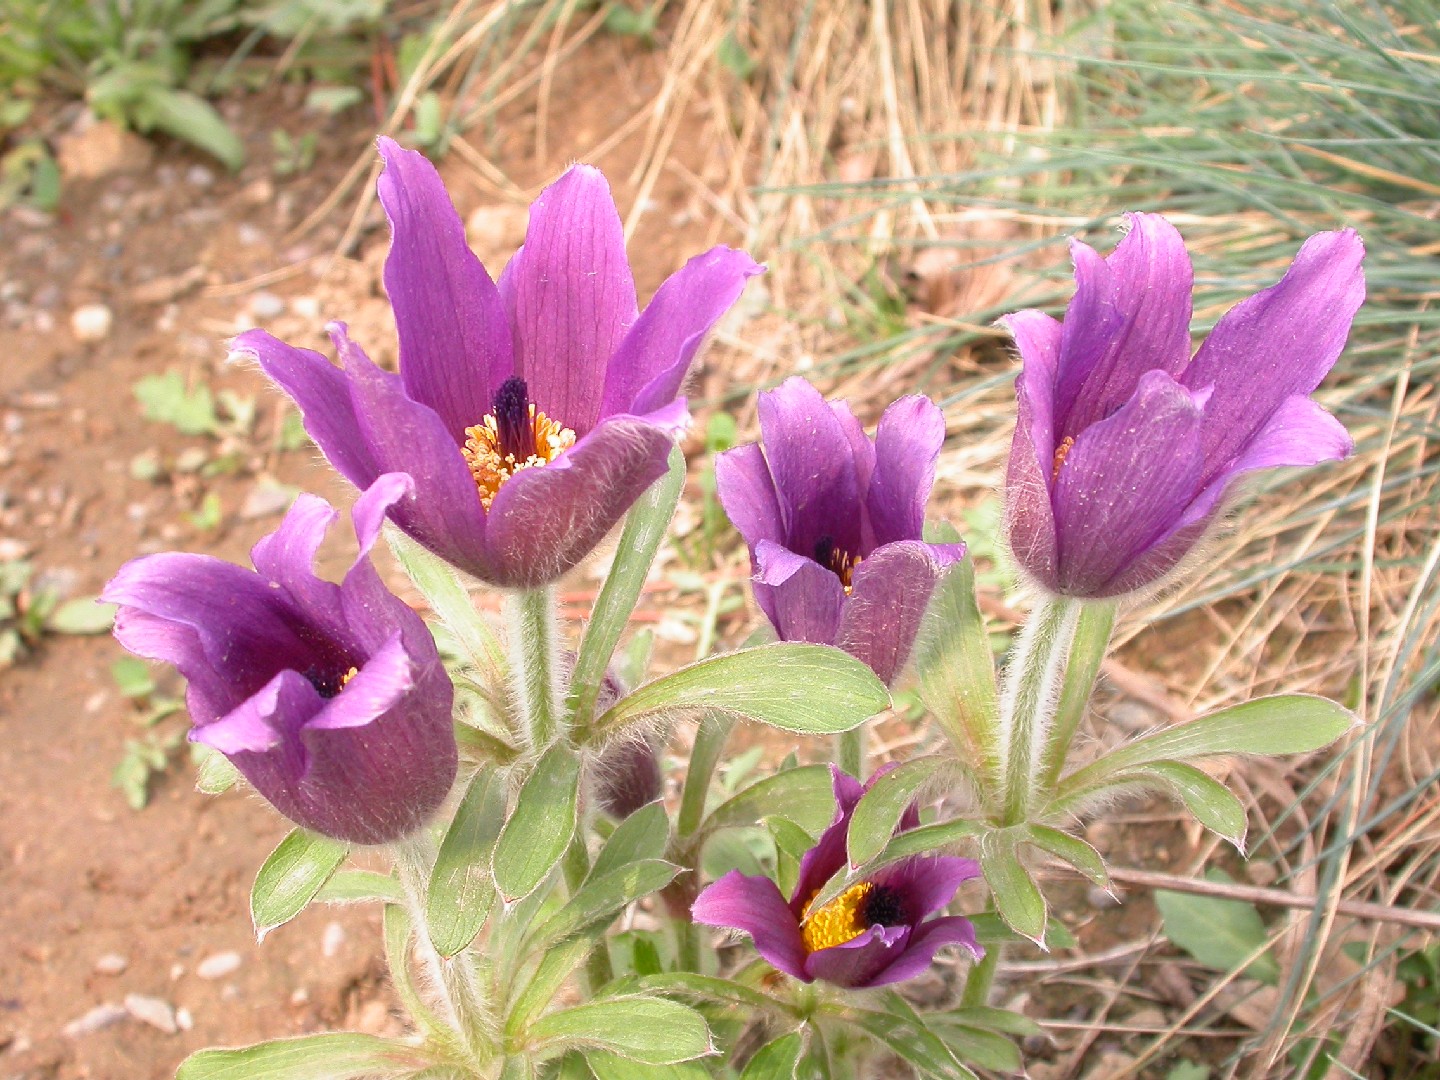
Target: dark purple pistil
511 410
882 906
327 683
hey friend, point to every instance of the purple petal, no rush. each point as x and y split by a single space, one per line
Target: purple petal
802 599
754 905
384 678
455 346
862 450
813 468
827 858
287 557
1130 315
444 512
907 445
1299 432
742 481
574 298
651 363
861 960
927 883
322 392
545 520
207 616
890 591
1125 484
924 942
1276 344
266 726
1029 517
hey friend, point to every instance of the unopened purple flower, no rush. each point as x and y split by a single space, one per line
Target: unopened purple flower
1126 445
330 699
834 521
531 413
876 932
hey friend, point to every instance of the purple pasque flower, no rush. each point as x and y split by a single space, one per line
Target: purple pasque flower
531 413
1126 445
330 699
834 520
878 931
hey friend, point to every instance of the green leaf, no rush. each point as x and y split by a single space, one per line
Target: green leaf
1188 1070
166 400
878 813
736 59
448 599
805 794
1214 805
645 527
993 1019
360 886
291 876
802 688
976 1045
775 1060
1072 850
461 890
707 988
611 1067
331 100
133 677
1221 934
531 997
82 615
653 1031
1281 724
216 774
191 118
601 898
333 1056
642 835
1017 898
913 1042
539 830
956 669
922 841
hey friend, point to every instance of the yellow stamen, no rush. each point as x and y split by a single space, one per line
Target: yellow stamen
345 679
491 466
1061 453
838 921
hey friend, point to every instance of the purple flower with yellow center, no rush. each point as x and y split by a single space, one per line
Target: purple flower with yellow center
1126 445
330 699
532 412
834 521
876 932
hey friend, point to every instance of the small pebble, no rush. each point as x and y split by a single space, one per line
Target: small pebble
266 305
332 939
157 1012
183 1020
307 307
91 323
111 964
97 1019
177 972
218 965
199 176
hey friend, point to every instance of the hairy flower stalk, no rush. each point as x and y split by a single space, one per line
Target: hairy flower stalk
531 411
534 664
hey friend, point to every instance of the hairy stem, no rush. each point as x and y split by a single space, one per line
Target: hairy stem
850 752
461 1002
1087 652
981 979
534 663
1033 679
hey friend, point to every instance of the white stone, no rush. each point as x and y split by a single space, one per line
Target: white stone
332 939
98 1018
157 1012
266 305
218 965
111 963
91 322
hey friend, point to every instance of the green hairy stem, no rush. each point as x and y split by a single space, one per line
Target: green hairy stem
534 663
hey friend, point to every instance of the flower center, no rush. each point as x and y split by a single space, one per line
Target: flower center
837 560
850 914
514 435
327 684
1061 453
